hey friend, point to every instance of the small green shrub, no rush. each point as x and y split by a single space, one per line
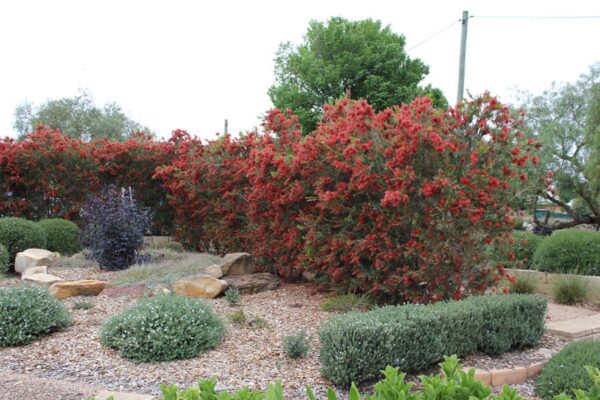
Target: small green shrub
592 394
164 328
355 347
232 295
565 370
453 384
569 251
27 313
62 236
238 317
524 284
83 305
526 244
296 345
346 303
570 290
18 234
4 260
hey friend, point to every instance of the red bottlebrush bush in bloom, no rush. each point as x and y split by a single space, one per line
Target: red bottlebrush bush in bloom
398 204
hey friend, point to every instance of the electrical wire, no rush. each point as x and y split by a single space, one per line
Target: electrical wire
538 16
435 34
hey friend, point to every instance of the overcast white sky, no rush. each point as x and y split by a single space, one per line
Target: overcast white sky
191 64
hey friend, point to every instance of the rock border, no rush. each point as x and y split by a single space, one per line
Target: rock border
509 376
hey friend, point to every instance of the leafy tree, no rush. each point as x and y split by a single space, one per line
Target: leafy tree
567 120
356 59
77 117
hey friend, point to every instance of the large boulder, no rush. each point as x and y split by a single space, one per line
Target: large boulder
88 287
204 286
41 278
214 270
35 258
237 264
253 283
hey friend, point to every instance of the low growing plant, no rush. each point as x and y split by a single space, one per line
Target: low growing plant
297 344
238 317
346 303
524 284
83 305
232 295
591 394
566 370
27 313
570 290
114 228
164 328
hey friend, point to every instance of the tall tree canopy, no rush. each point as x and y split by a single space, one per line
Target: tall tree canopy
359 59
567 119
77 117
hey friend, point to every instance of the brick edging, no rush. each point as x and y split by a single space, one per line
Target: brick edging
509 376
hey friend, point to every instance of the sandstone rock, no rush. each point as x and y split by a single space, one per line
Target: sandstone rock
34 270
238 264
253 283
214 270
34 258
105 394
45 279
88 287
134 291
204 286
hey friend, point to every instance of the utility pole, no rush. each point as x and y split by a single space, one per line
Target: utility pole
463 55
226 126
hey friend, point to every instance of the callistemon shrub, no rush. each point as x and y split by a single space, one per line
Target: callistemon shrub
398 204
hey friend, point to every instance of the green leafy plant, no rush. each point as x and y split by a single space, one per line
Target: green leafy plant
524 284
83 305
525 246
238 317
297 344
346 303
164 328
4 260
570 290
565 370
62 235
18 234
27 313
572 251
355 347
232 295
591 394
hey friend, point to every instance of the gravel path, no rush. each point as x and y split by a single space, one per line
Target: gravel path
28 386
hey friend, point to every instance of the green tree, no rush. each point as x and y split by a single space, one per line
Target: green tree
77 117
566 119
357 59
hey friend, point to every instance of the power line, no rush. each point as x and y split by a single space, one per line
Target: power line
435 34
537 16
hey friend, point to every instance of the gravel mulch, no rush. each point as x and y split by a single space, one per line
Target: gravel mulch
247 357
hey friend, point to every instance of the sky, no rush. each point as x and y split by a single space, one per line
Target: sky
192 64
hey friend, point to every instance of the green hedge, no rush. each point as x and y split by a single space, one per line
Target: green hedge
565 370
569 251
4 260
27 313
526 244
355 347
62 235
18 234
164 328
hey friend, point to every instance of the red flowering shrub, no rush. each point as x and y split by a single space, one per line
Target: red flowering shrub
50 175
398 204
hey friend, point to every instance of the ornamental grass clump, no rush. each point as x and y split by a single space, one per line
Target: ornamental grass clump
164 328
27 313
355 347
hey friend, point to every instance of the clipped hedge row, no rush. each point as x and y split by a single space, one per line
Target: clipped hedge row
569 251
4 260
355 347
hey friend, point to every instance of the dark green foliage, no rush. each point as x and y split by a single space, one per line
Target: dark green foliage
296 345
565 370
114 228
346 303
526 243
524 284
18 234
27 313
4 260
570 290
569 251
164 328
62 236
359 59
355 347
